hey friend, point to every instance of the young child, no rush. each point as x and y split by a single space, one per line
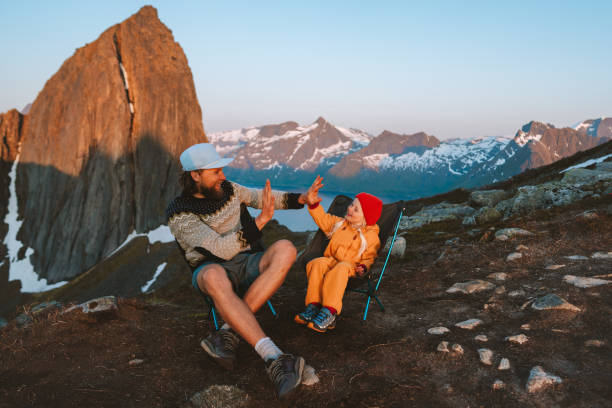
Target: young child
351 251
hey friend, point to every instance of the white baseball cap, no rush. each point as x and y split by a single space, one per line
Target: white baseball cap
203 156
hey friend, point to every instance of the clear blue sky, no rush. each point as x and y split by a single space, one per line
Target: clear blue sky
449 68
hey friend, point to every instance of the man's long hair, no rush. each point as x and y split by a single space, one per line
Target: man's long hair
188 184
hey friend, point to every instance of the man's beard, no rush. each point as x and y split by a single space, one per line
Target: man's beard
211 193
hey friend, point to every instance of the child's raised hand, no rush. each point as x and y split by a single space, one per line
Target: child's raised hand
311 197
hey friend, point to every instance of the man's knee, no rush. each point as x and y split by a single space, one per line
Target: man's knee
286 248
213 280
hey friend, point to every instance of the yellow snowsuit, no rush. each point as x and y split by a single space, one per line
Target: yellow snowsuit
347 248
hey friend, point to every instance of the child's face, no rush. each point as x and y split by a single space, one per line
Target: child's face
354 214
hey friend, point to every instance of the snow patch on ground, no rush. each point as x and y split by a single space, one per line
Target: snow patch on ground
587 163
158 271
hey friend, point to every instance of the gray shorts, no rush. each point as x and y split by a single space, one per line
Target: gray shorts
241 270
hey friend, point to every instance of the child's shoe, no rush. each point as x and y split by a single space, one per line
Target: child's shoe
307 315
323 321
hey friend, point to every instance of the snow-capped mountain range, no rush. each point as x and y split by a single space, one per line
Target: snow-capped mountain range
395 164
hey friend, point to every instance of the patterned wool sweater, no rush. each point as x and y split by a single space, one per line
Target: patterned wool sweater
217 230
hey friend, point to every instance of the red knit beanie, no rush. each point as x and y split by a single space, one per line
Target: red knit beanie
371 206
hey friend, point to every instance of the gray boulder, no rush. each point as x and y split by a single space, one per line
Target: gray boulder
488 198
586 176
542 196
436 213
487 214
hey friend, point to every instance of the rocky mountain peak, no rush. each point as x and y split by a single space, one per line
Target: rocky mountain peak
601 127
99 157
321 121
385 144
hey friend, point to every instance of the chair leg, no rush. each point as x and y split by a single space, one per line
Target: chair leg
370 296
379 303
214 316
365 313
272 309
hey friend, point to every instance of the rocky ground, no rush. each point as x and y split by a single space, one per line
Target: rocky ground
501 346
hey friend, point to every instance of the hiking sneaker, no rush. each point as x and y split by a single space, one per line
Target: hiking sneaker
323 321
307 315
221 346
285 372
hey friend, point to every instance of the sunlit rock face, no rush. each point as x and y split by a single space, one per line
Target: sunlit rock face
99 157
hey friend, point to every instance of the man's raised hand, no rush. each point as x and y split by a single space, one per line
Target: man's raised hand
267 206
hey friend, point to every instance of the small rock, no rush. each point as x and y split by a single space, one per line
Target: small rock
551 302
518 338
481 338
584 282
438 330
564 331
499 385
486 356
504 364
102 304
457 349
500 290
594 343
577 258
514 256
217 396
588 215
522 247
136 361
498 276
309 376
470 287
602 255
507 233
452 241
538 379
447 388
526 326
554 267
469 324
399 247
517 293
443 347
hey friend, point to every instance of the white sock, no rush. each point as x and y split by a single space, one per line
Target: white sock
267 349
225 326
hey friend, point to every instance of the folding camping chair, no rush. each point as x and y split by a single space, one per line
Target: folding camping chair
212 311
388 223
